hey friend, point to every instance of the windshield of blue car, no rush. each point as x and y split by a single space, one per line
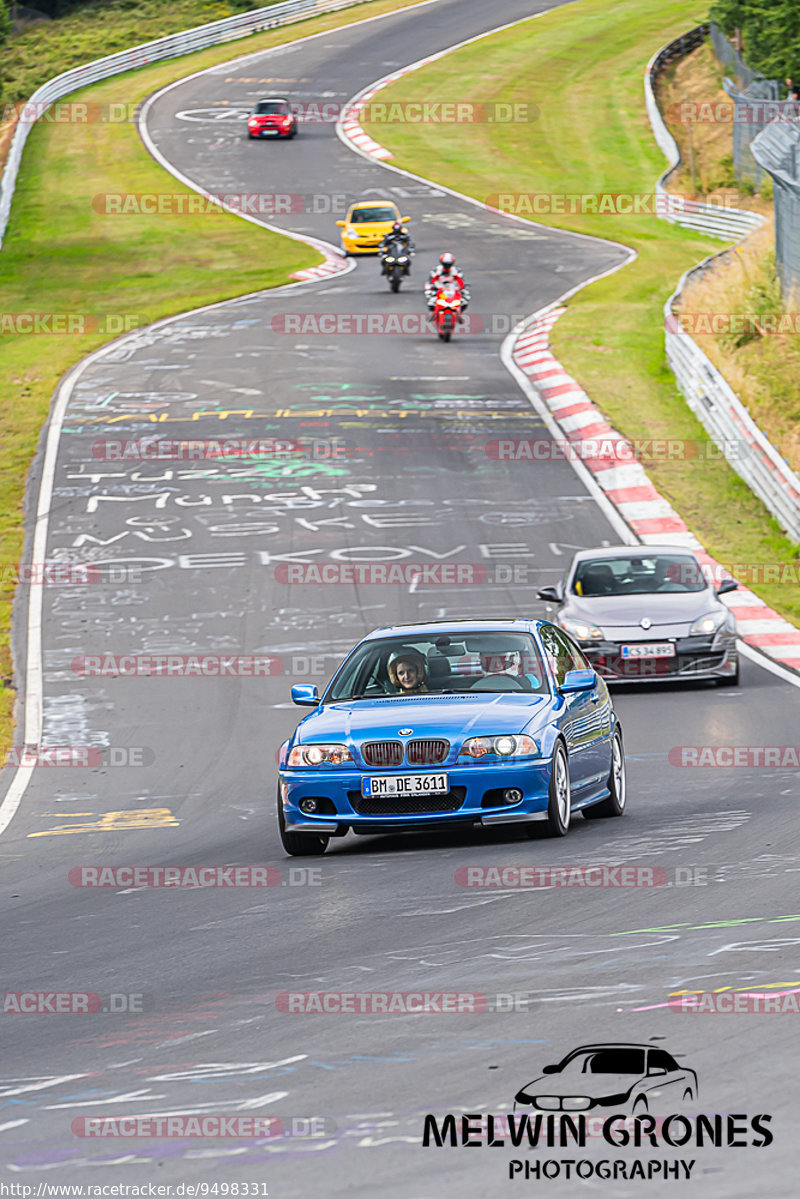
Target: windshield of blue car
361 216
639 574
440 663
610 1061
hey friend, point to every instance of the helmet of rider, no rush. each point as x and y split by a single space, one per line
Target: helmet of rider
448 262
397 227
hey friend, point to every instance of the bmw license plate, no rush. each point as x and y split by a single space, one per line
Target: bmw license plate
651 649
406 784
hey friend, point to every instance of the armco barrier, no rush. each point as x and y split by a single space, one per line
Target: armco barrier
728 422
712 219
709 396
172 46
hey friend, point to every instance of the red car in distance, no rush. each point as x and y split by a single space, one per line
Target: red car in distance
272 117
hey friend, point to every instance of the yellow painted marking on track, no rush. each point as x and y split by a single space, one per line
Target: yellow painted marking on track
115 822
67 815
750 988
667 928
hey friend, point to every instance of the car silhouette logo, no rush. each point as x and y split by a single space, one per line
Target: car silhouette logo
645 622
621 1076
404 732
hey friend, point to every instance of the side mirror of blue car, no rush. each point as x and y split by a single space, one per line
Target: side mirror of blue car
306 695
578 680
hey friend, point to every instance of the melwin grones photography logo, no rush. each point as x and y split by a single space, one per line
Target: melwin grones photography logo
624 1095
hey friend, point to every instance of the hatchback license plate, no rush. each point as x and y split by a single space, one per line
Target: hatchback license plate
653 649
406 784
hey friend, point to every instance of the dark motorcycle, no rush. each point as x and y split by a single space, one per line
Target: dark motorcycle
396 262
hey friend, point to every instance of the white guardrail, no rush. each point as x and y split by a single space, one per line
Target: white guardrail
726 420
172 46
711 399
716 220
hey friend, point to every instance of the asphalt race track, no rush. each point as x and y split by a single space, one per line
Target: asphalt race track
193 559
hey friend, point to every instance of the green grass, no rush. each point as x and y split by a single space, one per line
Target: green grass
46 48
61 256
581 68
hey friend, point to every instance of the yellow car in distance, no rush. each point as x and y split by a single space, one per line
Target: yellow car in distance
366 223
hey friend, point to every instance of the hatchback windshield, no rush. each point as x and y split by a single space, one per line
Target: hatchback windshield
361 216
639 574
270 107
440 662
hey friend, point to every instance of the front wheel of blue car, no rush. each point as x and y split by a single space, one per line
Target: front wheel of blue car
299 845
559 807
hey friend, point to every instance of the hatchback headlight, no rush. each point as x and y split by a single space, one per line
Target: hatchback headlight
319 755
581 630
501 746
712 622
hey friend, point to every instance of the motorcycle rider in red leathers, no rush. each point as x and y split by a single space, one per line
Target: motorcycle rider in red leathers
446 269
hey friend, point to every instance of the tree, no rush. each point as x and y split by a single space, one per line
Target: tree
770 32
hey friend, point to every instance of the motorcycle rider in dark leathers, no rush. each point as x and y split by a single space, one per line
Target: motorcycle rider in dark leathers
397 233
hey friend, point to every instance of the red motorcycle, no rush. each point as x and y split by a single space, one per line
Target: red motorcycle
447 308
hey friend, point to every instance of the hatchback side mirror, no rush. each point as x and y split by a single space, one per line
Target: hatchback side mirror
727 585
549 593
306 695
341 224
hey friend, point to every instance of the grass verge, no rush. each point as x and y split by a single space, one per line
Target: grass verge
580 69
62 257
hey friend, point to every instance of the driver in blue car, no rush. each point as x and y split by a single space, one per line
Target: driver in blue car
406 670
512 664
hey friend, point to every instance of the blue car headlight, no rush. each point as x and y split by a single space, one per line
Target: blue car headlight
319 755
502 746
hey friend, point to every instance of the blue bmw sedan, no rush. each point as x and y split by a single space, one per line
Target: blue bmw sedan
447 724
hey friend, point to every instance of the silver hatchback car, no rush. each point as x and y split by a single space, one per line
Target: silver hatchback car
647 614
